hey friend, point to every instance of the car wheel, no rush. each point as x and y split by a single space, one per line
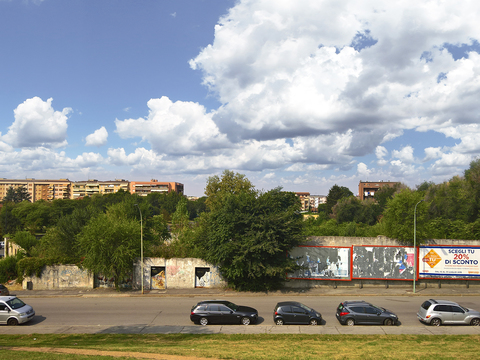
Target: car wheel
388 322
435 322
475 322
313 322
350 322
245 321
12 322
279 322
203 321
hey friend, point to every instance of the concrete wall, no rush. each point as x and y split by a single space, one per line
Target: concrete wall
178 274
379 240
60 277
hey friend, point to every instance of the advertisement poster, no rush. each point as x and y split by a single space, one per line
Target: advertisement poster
453 262
321 263
383 262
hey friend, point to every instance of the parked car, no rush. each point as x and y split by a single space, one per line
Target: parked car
292 312
3 290
438 312
361 312
222 312
14 311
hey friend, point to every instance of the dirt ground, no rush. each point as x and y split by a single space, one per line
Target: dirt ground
133 355
13 286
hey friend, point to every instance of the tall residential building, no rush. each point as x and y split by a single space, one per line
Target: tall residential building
143 188
367 189
316 200
92 187
304 199
39 189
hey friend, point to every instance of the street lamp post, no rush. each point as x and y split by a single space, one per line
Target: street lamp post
415 245
141 243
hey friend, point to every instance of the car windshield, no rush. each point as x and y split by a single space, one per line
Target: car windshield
464 308
15 303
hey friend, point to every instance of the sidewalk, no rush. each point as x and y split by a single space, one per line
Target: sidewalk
221 293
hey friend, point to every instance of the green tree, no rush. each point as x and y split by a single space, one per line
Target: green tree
61 240
451 200
335 194
110 242
26 241
248 236
230 183
385 193
398 217
472 176
16 195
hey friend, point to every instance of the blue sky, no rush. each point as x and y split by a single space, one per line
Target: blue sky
302 94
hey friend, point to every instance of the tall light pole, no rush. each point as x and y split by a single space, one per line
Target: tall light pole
415 245
141 243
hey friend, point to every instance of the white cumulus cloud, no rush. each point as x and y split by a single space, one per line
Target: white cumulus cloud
98 138
37 124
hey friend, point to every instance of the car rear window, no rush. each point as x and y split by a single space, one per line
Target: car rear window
357 309
426 305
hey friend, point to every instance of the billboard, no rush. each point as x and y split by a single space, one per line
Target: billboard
449 262
321 263
383 262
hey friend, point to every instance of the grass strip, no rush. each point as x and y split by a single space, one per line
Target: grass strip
260 346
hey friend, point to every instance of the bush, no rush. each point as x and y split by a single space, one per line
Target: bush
8 269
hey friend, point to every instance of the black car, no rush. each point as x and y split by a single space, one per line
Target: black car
362 312
292 312
3 290
222 312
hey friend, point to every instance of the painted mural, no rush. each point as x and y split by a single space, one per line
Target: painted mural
320 263
382 262
157 277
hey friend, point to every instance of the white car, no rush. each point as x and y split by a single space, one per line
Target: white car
14 311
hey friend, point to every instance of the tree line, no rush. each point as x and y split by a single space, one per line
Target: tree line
449 210
244 231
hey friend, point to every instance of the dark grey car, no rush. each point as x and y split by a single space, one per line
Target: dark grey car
361 312
293 312
438 312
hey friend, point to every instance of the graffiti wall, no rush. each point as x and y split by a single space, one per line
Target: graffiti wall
176 273
207 277
449 262
321 263
60 277
383 262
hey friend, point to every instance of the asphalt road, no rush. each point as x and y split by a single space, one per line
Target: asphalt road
171 315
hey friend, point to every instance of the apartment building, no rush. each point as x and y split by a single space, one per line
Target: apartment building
65 189
367 189
39 189
92 187
304 199
143 188
316 200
